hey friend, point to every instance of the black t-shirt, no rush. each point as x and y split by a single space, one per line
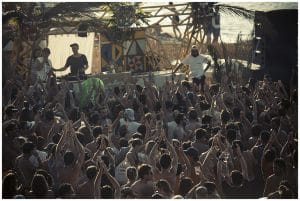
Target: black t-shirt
77 64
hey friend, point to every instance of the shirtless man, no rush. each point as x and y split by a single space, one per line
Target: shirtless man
143 187
86 190
44 125
24 165
168 166
69 171
273 181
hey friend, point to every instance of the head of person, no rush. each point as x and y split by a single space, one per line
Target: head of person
46 52
47 176
91 172
285 192
123 131
179 117
270 155
279 167
107 192
206 119
275 122
194 51
165 161
256 130
236 178
36 53
201 192
11 111
193 115
12 130
69 158
225 116
200 134
131 173
129 114
145 172
164 187
95 117
177 197
142 130
137 136
97 130
210 186
231 135
157 196
123 142
27 148
66 191
185 186
136 143
75 47
216 8
265 136
236 112
39 185
9 185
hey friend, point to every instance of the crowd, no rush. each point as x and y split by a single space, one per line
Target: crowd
221 140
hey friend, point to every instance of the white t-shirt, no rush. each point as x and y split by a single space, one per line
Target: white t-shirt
197 64
42 74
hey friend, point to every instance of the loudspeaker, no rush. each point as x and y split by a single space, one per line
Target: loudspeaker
281 53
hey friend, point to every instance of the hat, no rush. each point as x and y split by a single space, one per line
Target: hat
194 47
129 113
192 152
74 44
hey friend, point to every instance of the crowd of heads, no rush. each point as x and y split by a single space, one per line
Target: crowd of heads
228 140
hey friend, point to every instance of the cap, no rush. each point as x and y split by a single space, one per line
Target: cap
194 47
129 113
74 44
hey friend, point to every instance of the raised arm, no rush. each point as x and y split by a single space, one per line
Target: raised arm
152 156
177 67
98 179
243 163
185 159
114 182
116 121
64 139
173 155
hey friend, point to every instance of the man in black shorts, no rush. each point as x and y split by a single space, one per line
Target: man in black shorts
78 62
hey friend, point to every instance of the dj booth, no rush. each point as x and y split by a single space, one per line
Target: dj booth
111 80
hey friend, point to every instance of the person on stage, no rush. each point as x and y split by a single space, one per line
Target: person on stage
78 62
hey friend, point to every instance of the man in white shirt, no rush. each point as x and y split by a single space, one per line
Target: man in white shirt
43 65
198 66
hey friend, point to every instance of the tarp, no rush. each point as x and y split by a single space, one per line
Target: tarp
90 89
